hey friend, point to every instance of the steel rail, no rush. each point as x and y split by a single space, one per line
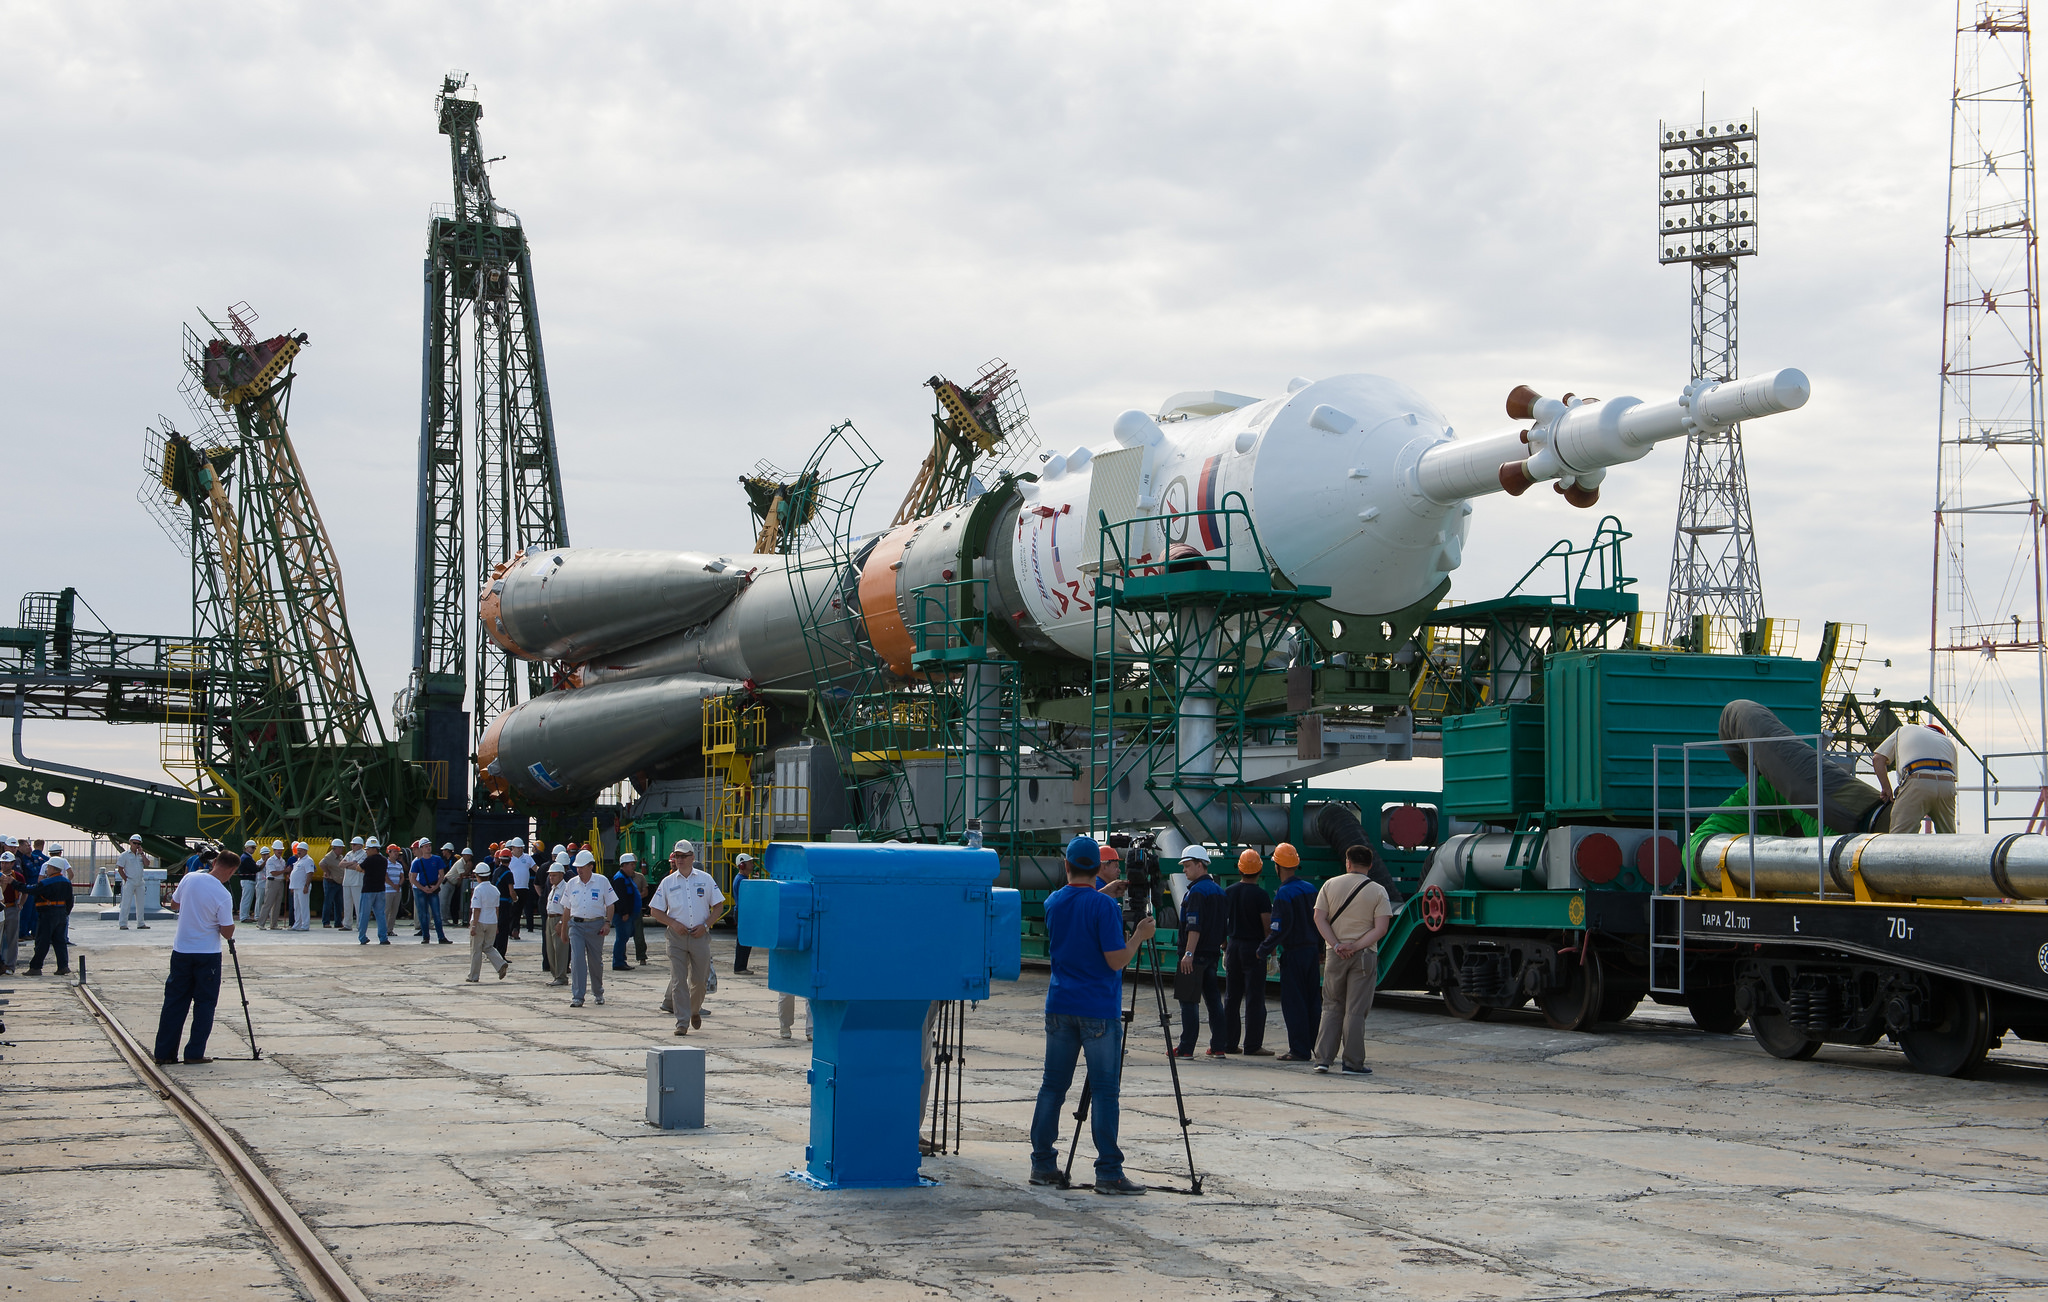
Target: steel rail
320 1274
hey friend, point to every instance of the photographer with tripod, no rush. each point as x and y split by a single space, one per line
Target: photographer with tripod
1083 1013
206 916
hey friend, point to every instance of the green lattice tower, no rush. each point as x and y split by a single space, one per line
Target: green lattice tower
302 747
979 711
478 283
1178 650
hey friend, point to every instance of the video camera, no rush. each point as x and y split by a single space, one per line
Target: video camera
1141 869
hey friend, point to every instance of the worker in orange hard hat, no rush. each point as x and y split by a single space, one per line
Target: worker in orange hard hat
1109 873
1292 932
1247 912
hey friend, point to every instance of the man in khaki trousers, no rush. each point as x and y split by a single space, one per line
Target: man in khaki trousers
688 904
1352 913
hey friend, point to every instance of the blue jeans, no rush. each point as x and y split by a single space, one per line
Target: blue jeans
427 904
330 902
194 984
1066 1039
372 906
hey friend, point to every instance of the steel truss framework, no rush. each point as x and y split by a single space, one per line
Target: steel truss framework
479 283
1985 633
1707 219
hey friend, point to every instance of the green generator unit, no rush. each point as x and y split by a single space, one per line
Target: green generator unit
1604 710
1493 763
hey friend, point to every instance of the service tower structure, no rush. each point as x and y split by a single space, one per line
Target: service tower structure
479 271
1707 220
1988 667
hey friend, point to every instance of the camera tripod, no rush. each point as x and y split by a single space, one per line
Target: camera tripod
1149 954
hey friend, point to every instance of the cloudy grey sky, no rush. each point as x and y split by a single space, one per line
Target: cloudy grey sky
750 221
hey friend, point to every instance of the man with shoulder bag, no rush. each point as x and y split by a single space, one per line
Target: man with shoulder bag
1352 912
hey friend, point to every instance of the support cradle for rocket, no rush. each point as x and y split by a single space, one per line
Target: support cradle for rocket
1354 483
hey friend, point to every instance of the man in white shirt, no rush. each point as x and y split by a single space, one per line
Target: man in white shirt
527 906
302 888
1926 763
687 904
554 953
275 874
251 878
352 882
588 901
483 927
134 869
394 883
206 916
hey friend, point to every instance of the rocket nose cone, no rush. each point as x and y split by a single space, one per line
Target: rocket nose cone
1790 388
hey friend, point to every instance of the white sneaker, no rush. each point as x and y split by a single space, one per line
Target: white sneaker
786 1034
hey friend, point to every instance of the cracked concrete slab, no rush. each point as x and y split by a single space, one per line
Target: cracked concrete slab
438 1134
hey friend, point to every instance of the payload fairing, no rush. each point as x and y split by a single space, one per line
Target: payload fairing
1354 483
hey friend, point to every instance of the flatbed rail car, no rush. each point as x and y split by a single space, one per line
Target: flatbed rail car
1946 980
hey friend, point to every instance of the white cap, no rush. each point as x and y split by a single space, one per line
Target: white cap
561 849
135 839
739 859
557 869
482 871
6 856
355 840
585 857
468 853
519 841
683 847
1199 853
629 857
248 845
561 856
450 845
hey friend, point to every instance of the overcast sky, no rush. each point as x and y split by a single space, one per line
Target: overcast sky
750 221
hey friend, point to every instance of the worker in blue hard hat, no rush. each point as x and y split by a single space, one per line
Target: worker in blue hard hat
1085 941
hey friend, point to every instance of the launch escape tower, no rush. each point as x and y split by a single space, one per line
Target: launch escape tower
1988 660
1707 219
479 283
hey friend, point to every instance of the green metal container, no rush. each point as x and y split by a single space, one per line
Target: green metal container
1604 710
1493 763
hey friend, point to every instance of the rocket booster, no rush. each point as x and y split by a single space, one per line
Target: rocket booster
1354 483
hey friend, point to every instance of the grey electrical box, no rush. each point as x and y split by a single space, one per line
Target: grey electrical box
675 1088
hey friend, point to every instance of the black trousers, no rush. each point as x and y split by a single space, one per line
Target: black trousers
51 934
194 985
1301 997
1191 1012
740 955
1244 988
529 908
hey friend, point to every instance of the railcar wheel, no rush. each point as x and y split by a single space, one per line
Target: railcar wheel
1713 1010
1463 1007
1575 1006
1618 1001
1775 1032
1957 1044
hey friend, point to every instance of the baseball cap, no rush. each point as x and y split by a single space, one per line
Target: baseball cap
1249 863
1286 856
739 859
1085 852
1198 853
683 847
584 857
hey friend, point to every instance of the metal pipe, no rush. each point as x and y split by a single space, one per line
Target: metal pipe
2010 866
1195 735
1496 861
94 775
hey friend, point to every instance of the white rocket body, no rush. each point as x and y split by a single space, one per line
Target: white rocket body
1354 483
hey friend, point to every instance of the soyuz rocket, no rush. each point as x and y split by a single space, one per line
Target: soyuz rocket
1355 483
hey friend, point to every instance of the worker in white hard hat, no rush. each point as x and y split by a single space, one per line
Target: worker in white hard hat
451 881
688 904
632 891
588 900
483 925
275 872
523 910
554 950
352 882
249 880
133 866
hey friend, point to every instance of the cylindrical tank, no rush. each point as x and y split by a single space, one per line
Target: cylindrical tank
2011 866
561 747
1498 861
571 603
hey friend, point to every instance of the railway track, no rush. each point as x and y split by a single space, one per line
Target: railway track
318 1272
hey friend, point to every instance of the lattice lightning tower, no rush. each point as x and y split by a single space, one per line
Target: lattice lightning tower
1987 662
1707 219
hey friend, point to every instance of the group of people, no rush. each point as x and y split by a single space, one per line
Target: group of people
36 888
1327 935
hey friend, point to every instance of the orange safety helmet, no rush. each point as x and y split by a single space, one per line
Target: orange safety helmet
1285 855
1249 864
1110 855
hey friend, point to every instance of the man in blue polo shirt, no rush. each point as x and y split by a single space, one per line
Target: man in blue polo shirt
427 870
1085 939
